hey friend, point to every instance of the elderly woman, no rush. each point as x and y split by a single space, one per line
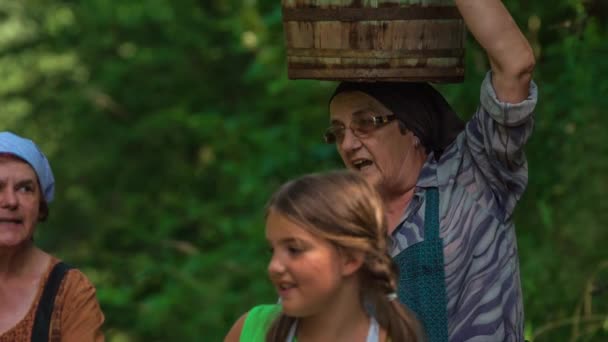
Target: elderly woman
41 298
450 188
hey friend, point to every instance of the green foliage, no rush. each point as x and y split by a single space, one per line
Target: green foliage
169 123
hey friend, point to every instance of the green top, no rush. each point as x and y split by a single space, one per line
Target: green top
258 321
260 318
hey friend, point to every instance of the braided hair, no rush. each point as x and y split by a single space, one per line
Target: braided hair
344 209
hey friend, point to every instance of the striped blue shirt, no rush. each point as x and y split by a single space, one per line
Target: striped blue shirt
480 178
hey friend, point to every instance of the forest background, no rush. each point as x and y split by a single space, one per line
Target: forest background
169 123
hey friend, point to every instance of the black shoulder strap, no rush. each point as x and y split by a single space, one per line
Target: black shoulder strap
42 321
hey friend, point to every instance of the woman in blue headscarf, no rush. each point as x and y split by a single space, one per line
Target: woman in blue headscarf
41 298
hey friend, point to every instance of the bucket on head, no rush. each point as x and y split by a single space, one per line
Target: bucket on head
374 40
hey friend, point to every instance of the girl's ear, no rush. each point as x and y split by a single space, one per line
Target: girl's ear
351 262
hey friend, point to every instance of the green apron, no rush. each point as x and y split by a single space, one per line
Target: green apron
422 274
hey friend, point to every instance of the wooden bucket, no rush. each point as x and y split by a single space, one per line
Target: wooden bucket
374 40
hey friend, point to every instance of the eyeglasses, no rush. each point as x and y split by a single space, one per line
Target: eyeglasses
362 124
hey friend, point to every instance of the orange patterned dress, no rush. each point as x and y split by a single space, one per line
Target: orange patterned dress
76 316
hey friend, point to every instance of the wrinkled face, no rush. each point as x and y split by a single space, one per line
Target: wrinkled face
19 201
306 271
385 156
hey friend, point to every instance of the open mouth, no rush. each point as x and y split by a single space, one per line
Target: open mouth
283 288
360 164
9 220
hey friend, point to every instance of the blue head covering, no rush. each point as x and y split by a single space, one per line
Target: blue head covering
27 150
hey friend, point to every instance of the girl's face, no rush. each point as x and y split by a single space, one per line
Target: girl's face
307 271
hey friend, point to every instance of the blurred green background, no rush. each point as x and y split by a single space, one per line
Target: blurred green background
169 123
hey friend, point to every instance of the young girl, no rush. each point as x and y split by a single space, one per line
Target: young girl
330 266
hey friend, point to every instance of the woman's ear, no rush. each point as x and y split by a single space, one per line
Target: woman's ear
43 211
351 262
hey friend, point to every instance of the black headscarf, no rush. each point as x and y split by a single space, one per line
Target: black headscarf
419 106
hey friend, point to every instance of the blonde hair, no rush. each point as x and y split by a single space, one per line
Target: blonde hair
342 208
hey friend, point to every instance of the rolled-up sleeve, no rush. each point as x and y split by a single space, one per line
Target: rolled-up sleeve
495 138
504 113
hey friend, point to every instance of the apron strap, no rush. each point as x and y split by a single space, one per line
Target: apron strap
422 274
42 321
431 214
